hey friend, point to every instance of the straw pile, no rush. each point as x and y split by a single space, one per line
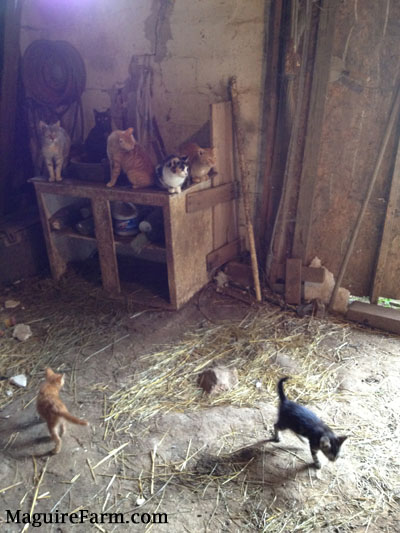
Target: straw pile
352 494
68 319
262 487
168 381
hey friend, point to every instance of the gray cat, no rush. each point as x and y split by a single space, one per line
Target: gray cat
55 143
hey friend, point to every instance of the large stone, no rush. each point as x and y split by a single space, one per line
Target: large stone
218 379
22 332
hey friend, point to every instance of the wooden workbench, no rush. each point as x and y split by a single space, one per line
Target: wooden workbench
199 223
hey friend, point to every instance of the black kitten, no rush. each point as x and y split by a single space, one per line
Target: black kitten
304 422
96 141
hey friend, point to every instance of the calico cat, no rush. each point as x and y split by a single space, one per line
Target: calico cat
201 161
125 153
96 141
52 410
55 146
173 173
307 424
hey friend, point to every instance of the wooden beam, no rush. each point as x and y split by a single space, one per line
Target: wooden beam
320 78
293 281
387 234
375 316
197 201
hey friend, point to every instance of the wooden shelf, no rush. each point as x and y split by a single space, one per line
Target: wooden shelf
200 223
188 236
69 232
150 252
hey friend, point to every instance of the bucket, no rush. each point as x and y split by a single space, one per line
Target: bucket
125 218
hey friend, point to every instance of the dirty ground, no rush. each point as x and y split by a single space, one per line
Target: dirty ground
158 447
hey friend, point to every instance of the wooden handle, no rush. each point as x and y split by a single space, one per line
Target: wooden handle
244 182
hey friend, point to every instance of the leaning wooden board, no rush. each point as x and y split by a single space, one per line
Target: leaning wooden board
225 222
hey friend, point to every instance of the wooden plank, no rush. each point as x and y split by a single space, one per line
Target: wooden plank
57 264
84 189
387 234
210 197
188 240
293 281
375 316
105 244
319 86
222 255
272 86
224 215
281 235
315 275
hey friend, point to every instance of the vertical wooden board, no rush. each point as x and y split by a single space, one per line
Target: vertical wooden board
188 239
224 215
293 281
384 267
319 86
272 82
105 243
354 125
57 263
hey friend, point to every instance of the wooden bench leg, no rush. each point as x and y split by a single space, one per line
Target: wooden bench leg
106 246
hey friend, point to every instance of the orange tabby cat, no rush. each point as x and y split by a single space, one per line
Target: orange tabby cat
125 153
201 161
52 410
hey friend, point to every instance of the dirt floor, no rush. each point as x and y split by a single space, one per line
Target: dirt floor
158 449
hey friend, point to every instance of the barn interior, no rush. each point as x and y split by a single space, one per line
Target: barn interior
173 308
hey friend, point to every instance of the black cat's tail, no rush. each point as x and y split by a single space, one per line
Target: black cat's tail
281 392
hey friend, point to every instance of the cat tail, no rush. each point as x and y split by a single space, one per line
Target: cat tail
73 419
281 392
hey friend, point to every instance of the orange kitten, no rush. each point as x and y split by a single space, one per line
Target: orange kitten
201 161
52 410
126 154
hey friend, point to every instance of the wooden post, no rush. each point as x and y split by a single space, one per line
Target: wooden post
105 244
245 188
